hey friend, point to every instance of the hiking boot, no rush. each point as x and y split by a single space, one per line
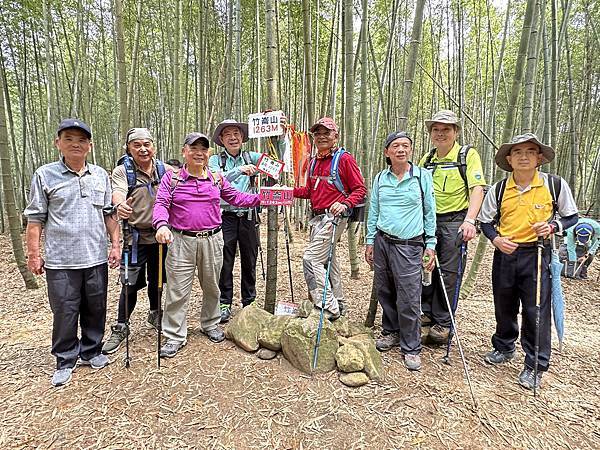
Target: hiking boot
62 376
526 378
386 341
498 357
439 334
412 362
171 348
332 317
117 336
342 306
97 362
153 319
225 313
215 335
425 320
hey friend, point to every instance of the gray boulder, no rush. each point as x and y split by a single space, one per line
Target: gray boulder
372 358
305 308
298 342
350 358
265 353
354 379
245 326
270 335
345 328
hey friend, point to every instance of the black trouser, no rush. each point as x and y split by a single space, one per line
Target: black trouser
239 230
77 295
433 302
147 264
580 250
514 284
397 270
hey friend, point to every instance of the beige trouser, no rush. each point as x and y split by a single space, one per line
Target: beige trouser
185 254
315 263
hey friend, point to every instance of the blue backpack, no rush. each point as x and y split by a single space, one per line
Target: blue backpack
127 161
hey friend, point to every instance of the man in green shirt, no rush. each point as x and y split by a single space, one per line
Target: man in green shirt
458 186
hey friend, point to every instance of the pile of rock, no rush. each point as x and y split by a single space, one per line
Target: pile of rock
347 346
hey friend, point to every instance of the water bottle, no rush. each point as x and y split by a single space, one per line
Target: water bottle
426 274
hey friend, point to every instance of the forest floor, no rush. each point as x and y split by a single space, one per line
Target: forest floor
218 396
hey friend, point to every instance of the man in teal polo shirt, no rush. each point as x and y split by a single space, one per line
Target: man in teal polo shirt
400 232
239 224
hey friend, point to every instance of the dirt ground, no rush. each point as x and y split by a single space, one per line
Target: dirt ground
217 396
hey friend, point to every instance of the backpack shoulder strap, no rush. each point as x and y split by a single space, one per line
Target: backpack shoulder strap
217 179
462 166
334 173
222 160
499 191
555 186
160 168
246 157
429 157
127 162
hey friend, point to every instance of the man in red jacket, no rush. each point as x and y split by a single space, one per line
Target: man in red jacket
328 204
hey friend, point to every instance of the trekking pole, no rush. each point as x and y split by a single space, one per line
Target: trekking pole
453 324
160 290
126 287
286 229
461 262
260 249
538 294
321 316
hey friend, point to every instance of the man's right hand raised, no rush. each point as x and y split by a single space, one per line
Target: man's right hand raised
124 209
248 169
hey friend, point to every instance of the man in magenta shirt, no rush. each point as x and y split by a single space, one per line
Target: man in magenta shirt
328 204
187 216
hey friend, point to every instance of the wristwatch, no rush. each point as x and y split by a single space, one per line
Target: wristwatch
471 221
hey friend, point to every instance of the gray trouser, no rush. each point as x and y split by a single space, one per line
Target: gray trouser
397 275
315 263
77 296
187 253
433 302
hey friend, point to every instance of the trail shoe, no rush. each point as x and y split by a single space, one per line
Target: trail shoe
439 334
215 335
387 340
62 376
97 362
425 320
527 376
171 348
412 362
498 357
117 336
225 313
342 306
332 317
153 319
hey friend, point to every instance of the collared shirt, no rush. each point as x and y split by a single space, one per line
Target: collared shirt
522 207
71 209
448 185
192 204
592 245
397 207
323 194
233 174
142 197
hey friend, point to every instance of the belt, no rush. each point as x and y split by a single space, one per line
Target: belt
318 212
200 234
236 213
546 243
452 216
416 241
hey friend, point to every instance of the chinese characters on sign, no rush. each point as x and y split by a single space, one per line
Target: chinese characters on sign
265 124
276 196
269 166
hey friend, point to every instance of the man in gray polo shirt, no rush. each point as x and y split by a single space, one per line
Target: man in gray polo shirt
71 201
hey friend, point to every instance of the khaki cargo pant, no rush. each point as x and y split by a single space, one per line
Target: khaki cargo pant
187 253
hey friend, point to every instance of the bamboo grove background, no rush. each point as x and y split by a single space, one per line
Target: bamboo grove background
375 66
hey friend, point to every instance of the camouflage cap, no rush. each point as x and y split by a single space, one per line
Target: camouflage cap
138 133
443 116
504 150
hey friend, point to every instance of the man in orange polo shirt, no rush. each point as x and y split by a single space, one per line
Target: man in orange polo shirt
527 212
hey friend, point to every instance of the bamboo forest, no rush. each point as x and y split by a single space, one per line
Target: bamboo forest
340 307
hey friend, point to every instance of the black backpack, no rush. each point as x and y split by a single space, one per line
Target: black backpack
460 163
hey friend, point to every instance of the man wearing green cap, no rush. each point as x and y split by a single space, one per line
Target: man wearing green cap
458 186
518 215
134 183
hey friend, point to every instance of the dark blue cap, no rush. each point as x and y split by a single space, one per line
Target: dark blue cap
74 123
584 232
396 135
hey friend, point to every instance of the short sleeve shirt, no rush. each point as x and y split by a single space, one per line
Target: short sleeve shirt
448 185
71 209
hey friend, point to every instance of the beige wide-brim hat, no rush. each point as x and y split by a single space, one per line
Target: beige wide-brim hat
504 150
443 116
230 123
